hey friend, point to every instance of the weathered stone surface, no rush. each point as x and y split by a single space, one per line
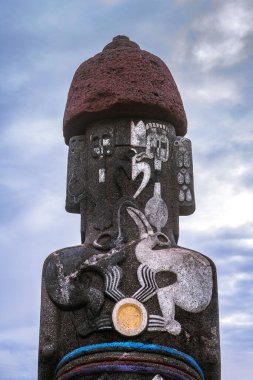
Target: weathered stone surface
128 303
122 81
129 280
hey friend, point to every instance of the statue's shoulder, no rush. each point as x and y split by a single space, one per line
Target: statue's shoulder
68 255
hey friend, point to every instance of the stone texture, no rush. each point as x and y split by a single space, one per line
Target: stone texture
122 81
128 303
135 257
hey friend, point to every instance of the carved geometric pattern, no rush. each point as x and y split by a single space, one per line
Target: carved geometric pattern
112 280
149 286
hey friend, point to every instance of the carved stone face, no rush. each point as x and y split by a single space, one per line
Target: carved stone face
158 173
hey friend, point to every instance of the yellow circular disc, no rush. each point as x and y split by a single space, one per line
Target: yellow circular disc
129 317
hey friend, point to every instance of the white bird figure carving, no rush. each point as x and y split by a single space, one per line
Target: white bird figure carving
193 289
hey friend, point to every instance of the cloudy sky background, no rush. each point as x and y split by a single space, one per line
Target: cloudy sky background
207 45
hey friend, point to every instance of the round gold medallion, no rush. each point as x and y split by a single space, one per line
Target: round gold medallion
129 317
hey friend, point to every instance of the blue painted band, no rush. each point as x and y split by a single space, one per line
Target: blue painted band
133 345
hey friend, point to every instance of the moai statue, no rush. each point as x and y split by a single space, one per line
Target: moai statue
128 302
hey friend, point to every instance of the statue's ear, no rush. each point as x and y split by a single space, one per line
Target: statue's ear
184 175
76 173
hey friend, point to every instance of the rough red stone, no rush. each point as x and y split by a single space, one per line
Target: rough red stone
122 81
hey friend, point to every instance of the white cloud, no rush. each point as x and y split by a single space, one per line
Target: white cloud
222 34
234 18
32 136
222 167
20 336
234 260
185 2
19 360
18 365
231 284
43 214
236 363
224 53
111 2
14 80
214 89
16 182
237 320
219 205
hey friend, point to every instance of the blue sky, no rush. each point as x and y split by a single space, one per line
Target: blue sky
207 45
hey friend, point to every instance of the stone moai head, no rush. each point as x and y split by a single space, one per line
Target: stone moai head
124 123
128 303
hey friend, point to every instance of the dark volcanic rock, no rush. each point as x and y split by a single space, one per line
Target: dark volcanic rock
122 81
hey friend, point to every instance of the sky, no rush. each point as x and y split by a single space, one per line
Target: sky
207 44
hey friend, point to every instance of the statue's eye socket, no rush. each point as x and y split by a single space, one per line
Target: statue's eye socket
104 242
162 238
104 239
95 141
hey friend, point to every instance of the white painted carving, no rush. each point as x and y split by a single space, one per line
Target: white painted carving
187 178
179 159
101 175
156 322
102 145
112 280
156 210
154 138
183 161
193 289
188 195
157 148
149 288
104 322
181 196
187 159
138 134
184 179
137 168
180 178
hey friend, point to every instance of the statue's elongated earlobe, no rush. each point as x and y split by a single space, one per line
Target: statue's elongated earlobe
184 175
